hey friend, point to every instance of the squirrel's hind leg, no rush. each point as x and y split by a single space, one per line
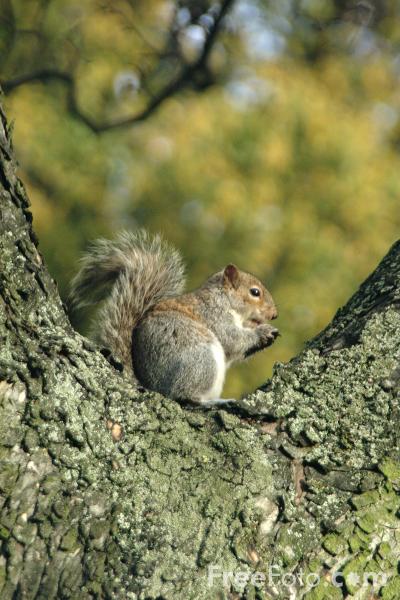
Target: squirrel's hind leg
179 358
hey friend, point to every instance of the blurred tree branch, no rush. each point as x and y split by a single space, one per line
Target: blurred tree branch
195 74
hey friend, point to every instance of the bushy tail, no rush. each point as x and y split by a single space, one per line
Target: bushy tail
131 274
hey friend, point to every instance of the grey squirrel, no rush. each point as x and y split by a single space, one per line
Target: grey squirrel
174 343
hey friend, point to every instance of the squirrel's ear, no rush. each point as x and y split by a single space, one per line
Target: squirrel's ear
231 275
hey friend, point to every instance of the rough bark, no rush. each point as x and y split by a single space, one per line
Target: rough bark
108 491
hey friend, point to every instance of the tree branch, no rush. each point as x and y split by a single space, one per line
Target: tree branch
186 77
108 491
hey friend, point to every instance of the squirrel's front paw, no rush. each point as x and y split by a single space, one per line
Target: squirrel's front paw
267 334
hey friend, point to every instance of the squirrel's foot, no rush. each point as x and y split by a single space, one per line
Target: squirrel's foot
217 401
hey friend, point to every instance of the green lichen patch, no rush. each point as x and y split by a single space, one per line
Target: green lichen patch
334 544
391 470
354 571
365 559
365 499
323 591
392 590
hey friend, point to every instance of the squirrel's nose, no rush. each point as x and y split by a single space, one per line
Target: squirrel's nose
274 332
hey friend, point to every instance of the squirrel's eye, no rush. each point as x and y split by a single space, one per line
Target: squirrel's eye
255 291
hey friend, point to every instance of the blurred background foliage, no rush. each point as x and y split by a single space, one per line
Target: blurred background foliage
275 143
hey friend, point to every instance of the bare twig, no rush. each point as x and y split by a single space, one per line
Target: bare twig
41 75
183 79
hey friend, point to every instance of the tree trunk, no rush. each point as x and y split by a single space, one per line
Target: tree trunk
108 491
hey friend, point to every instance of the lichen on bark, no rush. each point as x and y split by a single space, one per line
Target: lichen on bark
110 491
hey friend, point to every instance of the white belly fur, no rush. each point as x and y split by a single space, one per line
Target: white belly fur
219 357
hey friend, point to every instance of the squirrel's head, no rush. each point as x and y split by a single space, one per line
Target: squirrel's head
248 296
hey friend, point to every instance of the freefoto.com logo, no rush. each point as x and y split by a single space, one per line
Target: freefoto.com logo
278 579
